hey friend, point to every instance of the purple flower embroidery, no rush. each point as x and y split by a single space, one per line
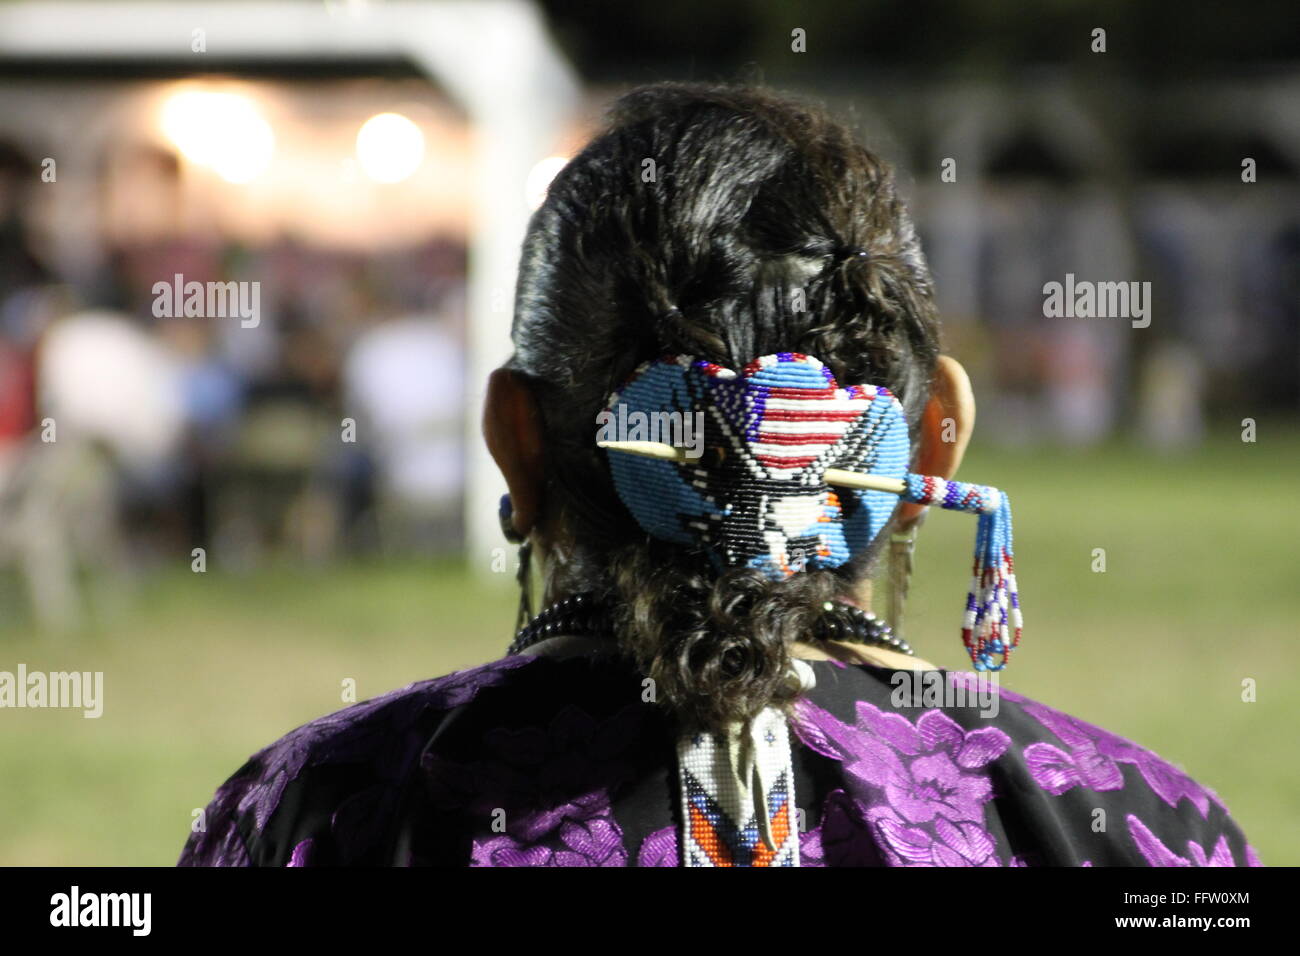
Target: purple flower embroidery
1057 771
659 849
221 845
302 853
920 789
926 772
1093 757
811 852
841 839
1157 854
942 844
594 841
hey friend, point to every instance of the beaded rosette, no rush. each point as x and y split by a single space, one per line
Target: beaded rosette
756 495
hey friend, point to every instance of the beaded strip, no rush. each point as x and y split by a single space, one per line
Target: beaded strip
737 791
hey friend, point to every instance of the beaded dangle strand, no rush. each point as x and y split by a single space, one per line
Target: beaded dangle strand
993 622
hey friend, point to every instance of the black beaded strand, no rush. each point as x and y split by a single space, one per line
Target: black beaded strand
846 622
578 614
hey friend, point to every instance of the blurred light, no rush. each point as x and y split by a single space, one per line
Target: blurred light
223 131
389 147
539 179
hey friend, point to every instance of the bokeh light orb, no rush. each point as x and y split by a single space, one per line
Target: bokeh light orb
223 131
390 147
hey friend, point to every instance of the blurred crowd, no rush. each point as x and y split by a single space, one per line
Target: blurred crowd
331 425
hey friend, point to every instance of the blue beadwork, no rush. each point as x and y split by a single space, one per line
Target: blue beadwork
759 498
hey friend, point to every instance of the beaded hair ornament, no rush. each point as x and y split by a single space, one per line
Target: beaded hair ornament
793 472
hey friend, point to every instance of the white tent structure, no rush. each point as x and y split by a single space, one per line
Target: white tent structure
494 57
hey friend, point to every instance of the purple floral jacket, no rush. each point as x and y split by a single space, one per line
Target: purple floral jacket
536 761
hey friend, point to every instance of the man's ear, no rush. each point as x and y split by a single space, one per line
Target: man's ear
946 427
512 429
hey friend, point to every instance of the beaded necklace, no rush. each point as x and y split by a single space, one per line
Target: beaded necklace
584 615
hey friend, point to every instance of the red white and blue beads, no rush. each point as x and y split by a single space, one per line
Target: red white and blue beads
993 622
758 496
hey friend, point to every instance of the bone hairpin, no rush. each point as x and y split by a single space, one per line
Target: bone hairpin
833 476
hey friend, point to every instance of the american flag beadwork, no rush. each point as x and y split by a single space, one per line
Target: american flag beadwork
757 495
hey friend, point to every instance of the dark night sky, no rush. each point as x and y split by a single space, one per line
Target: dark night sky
636 40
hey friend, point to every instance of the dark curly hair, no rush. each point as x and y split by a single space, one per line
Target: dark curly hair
687 226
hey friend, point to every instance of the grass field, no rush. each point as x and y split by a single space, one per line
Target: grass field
1199 594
